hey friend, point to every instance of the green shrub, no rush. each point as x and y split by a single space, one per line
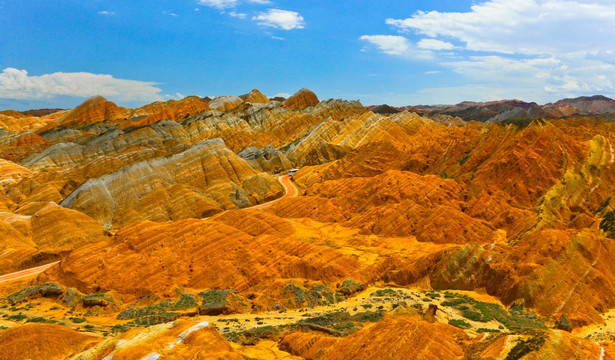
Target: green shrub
462 324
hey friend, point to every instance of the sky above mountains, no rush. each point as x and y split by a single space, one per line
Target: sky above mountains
57 53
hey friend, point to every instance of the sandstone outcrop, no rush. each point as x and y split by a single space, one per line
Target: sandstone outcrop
255 97
225 103
195 184
301 99
43 341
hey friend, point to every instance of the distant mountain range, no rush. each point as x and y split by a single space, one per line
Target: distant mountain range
501 110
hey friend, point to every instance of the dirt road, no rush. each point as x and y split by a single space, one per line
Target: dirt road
290 189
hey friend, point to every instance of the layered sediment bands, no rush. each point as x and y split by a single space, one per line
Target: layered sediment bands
43 237
18 146
395 337
225 103
196 183
396 203
522 210
330 140
181 339
172 110
268 159
245 250
552 271
11 172
15 121
300 100
200 255
255 97
544 344
57 229
94 110
43 341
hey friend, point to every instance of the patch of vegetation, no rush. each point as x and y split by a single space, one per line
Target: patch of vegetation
462 324
607 224
485 330
473 315
464 159
384 292
433 295
39 319
368 316
213 296
342 322
603 205
252 336
524 347
149 315
89 327
187 301
100 294
77 320
17 317
474 310
120 328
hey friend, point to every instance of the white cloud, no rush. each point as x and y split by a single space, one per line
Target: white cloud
396 45
16 84
536 50
522 26
280 19
105 12
388 44
170 13
237 15
230 4
433 44
219 4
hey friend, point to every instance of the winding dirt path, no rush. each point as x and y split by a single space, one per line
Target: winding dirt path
289 187
285 180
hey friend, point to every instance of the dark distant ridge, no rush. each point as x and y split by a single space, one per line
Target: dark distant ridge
501 110
588 98
384 109
40 112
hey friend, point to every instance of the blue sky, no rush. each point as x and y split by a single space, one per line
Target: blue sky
57 53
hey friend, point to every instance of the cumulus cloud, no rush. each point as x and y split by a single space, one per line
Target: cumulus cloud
434 44
388 44
237 15
280 19
17 84
229 4
105 12
219 4
521 26
519 48
396 45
